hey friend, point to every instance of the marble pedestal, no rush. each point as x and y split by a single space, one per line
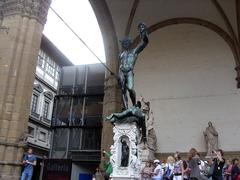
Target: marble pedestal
147 155
128 132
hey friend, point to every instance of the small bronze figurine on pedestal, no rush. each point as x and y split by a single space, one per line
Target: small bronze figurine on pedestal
125 154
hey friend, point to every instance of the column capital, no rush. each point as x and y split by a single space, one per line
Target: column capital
37 9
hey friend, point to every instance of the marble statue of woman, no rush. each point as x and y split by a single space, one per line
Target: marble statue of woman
211 138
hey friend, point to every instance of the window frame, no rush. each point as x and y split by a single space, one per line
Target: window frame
41 55
34 130
40 130
37 103
46 110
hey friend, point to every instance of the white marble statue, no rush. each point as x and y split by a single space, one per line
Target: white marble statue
211 138
145 107
151 135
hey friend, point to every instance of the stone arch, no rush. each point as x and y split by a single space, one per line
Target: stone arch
181 64
200 22
108 31
207 24
112 100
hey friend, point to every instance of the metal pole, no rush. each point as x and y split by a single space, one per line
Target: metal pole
84 104
70 115
85 92
54 114
51 144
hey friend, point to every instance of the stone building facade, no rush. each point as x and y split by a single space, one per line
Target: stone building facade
48 71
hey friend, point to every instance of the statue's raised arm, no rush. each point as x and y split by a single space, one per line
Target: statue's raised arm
142 28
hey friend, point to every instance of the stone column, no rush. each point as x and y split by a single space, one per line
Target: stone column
20 36
112 97
111 104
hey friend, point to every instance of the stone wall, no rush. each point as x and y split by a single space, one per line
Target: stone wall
187 73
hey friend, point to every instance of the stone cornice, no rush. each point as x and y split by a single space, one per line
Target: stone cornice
20 144
13 163
37 9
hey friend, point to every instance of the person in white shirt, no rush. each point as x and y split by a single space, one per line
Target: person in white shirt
157 173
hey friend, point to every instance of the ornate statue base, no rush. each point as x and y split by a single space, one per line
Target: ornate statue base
127 131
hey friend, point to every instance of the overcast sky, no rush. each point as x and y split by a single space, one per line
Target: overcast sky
80 16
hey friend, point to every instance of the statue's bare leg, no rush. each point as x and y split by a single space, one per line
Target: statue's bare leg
124 90
122 114
130 87
125 99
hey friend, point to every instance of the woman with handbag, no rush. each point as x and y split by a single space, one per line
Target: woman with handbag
194 161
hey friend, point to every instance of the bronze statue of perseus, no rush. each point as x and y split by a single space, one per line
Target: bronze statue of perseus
128 58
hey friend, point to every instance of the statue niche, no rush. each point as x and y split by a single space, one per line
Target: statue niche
124 152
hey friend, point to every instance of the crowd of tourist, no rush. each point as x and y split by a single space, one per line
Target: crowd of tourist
192 168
